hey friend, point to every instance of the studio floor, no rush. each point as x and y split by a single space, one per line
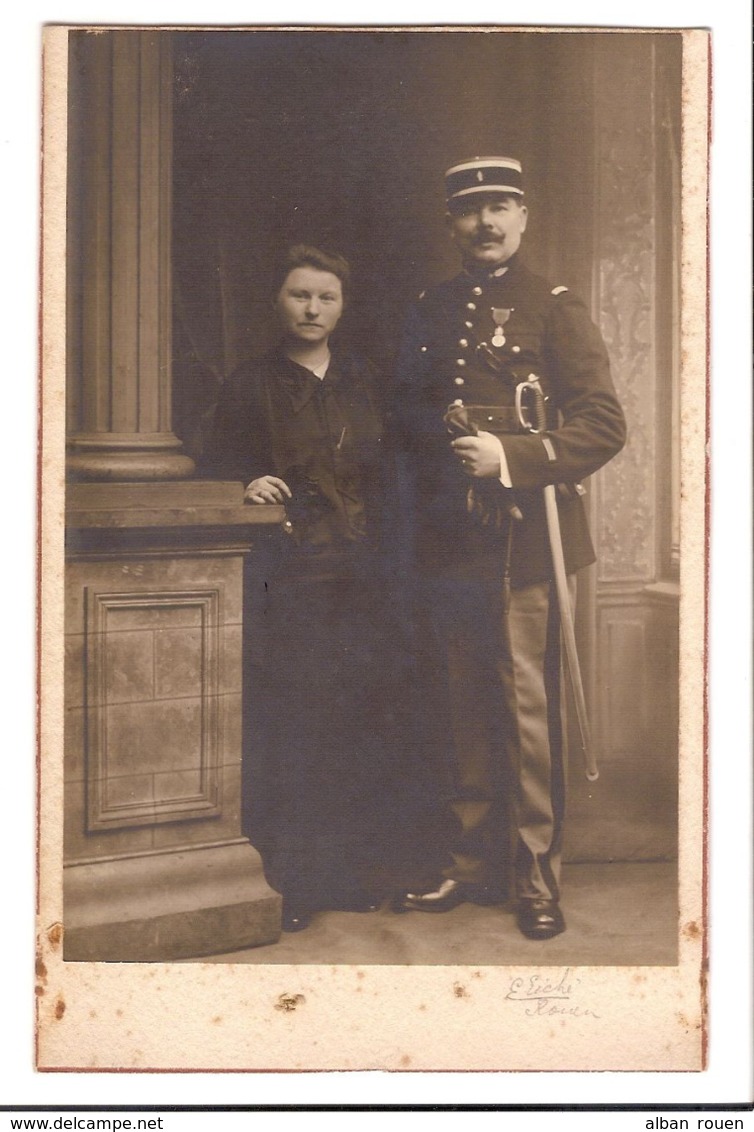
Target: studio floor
617 914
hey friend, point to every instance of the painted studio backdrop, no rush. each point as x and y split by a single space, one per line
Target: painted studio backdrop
194 158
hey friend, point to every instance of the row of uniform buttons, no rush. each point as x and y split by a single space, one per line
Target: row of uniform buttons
464 342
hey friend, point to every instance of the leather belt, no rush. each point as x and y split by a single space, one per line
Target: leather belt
495 418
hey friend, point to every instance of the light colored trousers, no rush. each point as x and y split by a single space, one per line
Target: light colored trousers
506 743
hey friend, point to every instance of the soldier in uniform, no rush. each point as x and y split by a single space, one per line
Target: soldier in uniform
473 544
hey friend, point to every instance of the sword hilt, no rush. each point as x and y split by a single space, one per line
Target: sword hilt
534 386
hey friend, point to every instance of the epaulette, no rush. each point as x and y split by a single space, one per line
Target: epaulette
558 290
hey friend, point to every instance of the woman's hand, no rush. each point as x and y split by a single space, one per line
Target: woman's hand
480 455
267 489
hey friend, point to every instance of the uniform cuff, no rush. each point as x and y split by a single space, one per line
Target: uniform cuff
505 476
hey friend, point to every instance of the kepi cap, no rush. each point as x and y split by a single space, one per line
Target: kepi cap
483 175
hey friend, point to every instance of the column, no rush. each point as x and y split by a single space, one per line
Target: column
156 864
119 365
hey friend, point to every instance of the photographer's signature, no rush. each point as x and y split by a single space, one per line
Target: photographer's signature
548 997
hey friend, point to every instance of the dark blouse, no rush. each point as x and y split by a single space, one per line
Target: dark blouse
320 435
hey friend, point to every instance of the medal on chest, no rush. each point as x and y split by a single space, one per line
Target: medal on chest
489 352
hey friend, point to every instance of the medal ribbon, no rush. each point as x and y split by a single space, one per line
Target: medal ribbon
499 316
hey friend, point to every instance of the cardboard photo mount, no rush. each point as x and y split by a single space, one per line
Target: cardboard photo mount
99 1015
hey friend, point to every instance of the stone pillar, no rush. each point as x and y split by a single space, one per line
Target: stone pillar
119 371
156 866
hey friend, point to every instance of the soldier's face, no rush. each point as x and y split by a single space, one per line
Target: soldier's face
309 304
488 230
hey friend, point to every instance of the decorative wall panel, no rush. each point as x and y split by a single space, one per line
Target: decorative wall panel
629 633
625 298
622 679
152 680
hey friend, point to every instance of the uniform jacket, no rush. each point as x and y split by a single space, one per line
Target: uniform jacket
274 417
448 337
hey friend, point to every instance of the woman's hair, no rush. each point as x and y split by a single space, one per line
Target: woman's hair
304 255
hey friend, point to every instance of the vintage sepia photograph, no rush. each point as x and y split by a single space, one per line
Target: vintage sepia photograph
374 390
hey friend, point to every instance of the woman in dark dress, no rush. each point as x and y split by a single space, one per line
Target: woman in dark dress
301 427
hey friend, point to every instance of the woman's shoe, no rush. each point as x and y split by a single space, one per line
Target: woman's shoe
295 917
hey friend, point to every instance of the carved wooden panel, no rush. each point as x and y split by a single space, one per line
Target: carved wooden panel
625 248
622 676
152 676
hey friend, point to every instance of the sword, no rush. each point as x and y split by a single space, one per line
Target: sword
539 425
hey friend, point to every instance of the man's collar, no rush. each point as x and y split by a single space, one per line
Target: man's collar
485 274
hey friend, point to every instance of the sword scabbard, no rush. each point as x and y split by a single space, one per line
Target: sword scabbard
539 425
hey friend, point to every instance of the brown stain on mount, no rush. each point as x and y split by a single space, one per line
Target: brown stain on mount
289 1002
59 1007
40 972
687 1023
691 930
55 934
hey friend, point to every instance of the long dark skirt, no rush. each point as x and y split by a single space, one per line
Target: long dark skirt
329 785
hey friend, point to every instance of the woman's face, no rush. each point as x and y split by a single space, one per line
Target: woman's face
309 304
